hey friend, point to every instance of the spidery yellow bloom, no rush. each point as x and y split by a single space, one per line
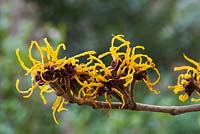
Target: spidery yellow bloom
76 82
130 66
113 80
189 82
50 73
100 83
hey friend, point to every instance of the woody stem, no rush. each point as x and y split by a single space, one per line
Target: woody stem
173 110
68 89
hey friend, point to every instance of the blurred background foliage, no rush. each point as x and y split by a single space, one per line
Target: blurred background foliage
167 29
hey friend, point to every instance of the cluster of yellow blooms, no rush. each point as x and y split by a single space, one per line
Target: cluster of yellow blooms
189 82
75 82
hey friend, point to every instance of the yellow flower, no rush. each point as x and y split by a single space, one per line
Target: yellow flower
100 82
131 66
39 67
50 73
189 82
113 80
77 82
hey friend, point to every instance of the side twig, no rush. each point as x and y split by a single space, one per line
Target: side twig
131 94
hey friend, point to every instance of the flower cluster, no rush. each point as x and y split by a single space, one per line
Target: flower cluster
75 82
189 82
125 68
53 75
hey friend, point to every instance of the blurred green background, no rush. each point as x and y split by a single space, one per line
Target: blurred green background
167 29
